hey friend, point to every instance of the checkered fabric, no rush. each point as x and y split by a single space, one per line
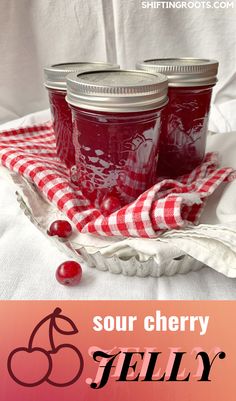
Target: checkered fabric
169 204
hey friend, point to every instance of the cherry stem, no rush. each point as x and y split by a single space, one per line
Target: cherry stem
52 317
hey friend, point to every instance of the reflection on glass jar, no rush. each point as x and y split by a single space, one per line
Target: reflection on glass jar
185 120
55 82
62 126
184 128
116 132
115 154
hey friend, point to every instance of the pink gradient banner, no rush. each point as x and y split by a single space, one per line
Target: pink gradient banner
117 350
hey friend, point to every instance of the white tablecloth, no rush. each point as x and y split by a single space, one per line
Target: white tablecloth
28 262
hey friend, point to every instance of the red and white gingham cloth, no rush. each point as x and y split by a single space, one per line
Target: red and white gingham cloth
169 204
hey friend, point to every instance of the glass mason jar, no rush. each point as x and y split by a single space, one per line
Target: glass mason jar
185 120
116 125
55 82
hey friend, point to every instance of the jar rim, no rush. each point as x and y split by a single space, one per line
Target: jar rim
55 74
183 71
117 90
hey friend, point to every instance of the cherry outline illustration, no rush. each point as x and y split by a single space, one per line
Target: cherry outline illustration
52 325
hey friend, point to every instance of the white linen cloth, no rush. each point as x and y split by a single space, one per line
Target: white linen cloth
28 260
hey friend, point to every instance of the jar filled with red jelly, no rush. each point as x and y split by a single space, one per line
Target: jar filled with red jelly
185 120
116 127
55 82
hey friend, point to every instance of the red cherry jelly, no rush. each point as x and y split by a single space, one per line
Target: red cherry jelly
62 125
185 119
116 155
55 81
184 130
116 139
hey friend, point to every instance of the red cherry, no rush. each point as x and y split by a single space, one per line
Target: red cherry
62 228
69 273
109 205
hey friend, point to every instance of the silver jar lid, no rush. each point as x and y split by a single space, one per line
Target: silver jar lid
55 75
117 91
183 71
